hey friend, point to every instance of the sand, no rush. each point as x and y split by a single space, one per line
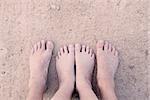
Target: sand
122 22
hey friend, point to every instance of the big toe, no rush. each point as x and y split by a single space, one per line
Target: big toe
100 44
49 45
77 48
71 48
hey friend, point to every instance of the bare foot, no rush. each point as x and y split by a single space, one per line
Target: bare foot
65 64
84 63
107 63
84 57
39 62
65 70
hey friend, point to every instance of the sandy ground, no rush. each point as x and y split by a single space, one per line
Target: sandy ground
122 22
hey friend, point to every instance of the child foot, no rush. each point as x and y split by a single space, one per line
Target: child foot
107 63
65 65
84 64
39 62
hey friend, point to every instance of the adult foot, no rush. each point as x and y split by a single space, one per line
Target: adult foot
39 62
107 63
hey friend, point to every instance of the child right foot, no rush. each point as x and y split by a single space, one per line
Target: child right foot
65 71
107 63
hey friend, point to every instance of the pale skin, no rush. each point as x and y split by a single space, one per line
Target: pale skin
83 57
107 64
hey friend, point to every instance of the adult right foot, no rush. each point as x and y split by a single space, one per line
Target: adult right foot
65 64
107 64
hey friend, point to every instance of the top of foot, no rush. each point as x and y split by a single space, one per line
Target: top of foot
107 60
85 59
39 62
65 64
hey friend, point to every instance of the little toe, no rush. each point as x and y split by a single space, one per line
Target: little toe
91 52
38 45
59 54
110 47
93 55
61 50
100 44
35 47
88 49
71 48
65 49
113 49
49 45
77 47
116 53
106 45
83 48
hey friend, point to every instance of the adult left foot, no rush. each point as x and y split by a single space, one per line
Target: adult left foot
39 62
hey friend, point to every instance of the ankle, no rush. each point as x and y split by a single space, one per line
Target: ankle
107 90
64 91
35 93
37 88
83 83
106 83
69 85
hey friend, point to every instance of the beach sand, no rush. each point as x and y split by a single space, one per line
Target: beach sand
25 22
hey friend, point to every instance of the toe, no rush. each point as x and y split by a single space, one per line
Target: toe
83 48
113 50
77 47
71 48
65 49
43 44
35 47
61 50
59 54
100 44
88 49
39 45
49 45
91 52
106 45
110 47
93 55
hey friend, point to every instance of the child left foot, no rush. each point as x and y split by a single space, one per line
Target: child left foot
84 64
39 62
